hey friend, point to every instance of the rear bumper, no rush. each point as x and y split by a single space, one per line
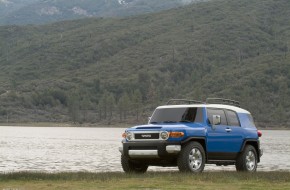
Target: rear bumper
261 152
150 149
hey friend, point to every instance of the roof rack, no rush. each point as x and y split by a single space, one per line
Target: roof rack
223 101
185 100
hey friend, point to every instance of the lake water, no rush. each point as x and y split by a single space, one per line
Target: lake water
55 149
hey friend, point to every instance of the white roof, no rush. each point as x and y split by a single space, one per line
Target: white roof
222 106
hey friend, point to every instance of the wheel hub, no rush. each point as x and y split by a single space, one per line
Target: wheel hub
195 159
250 160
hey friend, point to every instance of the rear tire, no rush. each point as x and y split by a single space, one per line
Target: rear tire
247 160
132 167
191 158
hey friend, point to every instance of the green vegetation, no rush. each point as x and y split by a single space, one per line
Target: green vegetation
214 180
117 70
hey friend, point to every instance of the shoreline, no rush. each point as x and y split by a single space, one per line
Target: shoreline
97 125
68 125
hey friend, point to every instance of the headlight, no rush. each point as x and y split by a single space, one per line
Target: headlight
164 135
129 136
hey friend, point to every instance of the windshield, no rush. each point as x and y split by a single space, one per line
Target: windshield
174 115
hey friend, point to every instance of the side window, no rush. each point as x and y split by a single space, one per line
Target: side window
251 120
232 118
193 115
211 112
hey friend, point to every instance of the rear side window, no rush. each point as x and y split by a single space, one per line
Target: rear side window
232 118
251 120
211 112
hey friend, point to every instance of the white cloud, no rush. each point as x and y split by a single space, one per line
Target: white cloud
122 2
49 11
5 2
80 11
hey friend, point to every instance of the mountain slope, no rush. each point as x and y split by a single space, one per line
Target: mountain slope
78 70
42 11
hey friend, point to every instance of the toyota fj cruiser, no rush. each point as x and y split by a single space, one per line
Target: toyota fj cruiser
192 134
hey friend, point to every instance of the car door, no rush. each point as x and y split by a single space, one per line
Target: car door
223 141
235 130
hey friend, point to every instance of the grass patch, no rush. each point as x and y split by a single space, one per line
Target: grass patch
150 180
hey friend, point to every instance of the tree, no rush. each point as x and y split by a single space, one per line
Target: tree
96 85
74 108
111 106
152 94
136 102
144 83
85 104
103 105
123 106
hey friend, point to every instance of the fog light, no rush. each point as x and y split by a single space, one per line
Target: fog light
164 135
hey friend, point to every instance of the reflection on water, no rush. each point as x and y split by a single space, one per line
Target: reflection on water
96 150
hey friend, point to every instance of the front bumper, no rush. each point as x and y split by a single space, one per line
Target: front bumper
150 149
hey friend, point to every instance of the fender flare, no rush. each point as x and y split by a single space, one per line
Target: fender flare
257 146
201 140
246 141
193 139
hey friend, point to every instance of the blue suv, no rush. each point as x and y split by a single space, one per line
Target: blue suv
191 134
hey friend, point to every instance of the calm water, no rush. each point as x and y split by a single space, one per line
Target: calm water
96 150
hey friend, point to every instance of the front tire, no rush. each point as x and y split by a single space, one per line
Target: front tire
132 167
247 160
191 158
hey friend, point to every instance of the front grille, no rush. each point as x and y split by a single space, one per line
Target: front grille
147 136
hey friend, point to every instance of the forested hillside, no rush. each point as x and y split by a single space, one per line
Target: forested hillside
118 70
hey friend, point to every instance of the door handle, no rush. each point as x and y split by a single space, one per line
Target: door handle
228 130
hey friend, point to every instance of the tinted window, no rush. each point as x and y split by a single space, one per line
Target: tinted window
211 112
251 120
172 115
232 118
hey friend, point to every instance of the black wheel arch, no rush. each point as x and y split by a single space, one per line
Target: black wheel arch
255 143
200 140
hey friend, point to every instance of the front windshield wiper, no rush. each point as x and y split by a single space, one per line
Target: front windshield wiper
153 122
169 121
185 121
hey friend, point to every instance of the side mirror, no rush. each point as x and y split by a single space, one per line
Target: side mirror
216 120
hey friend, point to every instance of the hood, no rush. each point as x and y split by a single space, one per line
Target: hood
167 127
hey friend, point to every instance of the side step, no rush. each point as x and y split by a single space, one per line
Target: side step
222 162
